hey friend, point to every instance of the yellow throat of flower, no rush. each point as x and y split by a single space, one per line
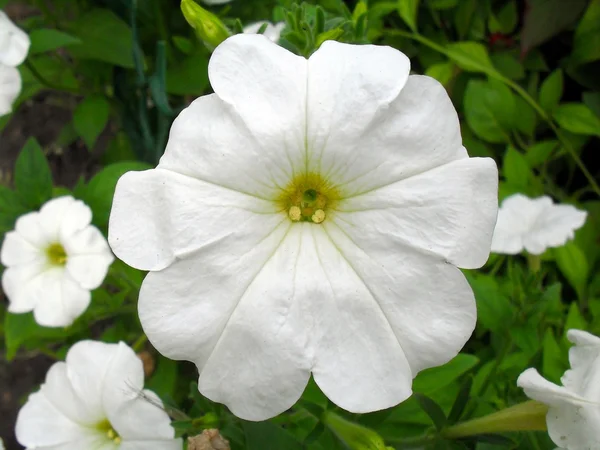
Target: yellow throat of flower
57 256
106 428
307 198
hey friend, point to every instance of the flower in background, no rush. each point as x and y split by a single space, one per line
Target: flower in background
14 46
573 417
1 444
54 258
95 400
272 31
534 225
309 217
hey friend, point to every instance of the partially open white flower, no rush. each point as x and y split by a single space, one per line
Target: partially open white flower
54 257
573 417
534 225
309 217
95 400
273 31
10 87
14 42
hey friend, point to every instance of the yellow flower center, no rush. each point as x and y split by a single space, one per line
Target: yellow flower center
307 198
106 428
56 254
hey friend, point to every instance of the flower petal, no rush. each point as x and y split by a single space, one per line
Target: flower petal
40 424
574 427
10 87
371 136
584 357
237 318
449 210
16 251
14 42
65 215
176 215
142 418
60 298
431 325
172 444
538 388
20 284
89 270
30 228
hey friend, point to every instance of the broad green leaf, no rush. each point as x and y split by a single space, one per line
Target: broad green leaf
164 379
268 436
33 179
515 168
90 118
99 192
577 118
489 109
574 266
443 72
189 77
508 64
575 320
11 208
407 9
539 152
471 56
433 410
525 117
430 380
586 45
464 16
553 360
104 37
494 310
551 91
20 329
46 39
507 17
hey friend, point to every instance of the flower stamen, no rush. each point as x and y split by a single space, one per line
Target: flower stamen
57 256
307 198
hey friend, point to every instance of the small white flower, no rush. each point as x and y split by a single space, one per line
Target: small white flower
216 2
272 32
10 87
573 417
14 42
95 400
534 225
1 444
54 257
309 217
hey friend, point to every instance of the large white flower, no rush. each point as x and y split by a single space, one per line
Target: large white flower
10 87
54 257
534 225
573 418
95 400
272 31
14 42
308 217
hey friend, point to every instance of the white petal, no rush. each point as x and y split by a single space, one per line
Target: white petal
584 357
142 418
30 228
237 318
176 215
538 388
450 211
16 251
89 270
14 42
87 241
40 424
574 427
60 298
272 32
10 88
359 359
66 216
21 286
427 302
362 133
172 444
216 2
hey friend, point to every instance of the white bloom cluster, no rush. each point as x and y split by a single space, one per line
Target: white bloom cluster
310 216
573 417
14 46
95 400
54 258
534 225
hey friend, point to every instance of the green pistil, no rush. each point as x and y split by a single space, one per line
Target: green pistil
56 255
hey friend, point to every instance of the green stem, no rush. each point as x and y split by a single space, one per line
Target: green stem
534 262
139 343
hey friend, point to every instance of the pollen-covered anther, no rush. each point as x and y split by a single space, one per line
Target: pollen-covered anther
318 216
295 213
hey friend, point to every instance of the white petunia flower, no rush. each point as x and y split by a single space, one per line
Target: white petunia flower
573 417
1 444
95 400
534 225
14 42
54 258
272 32
10 87
309 217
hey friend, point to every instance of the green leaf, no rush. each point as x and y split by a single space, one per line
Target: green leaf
507 17
508 64
11 208
461 400
164 379
33 178
515 168
90 118
494 310
99 192
408 11
190 77
433 410
443 72
471 56
464 16
586 45
551 91
578 118
104 37
553 362
539 152
575 321
268 436
21 329
46 39
430 380
525 117
573 264
489 107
